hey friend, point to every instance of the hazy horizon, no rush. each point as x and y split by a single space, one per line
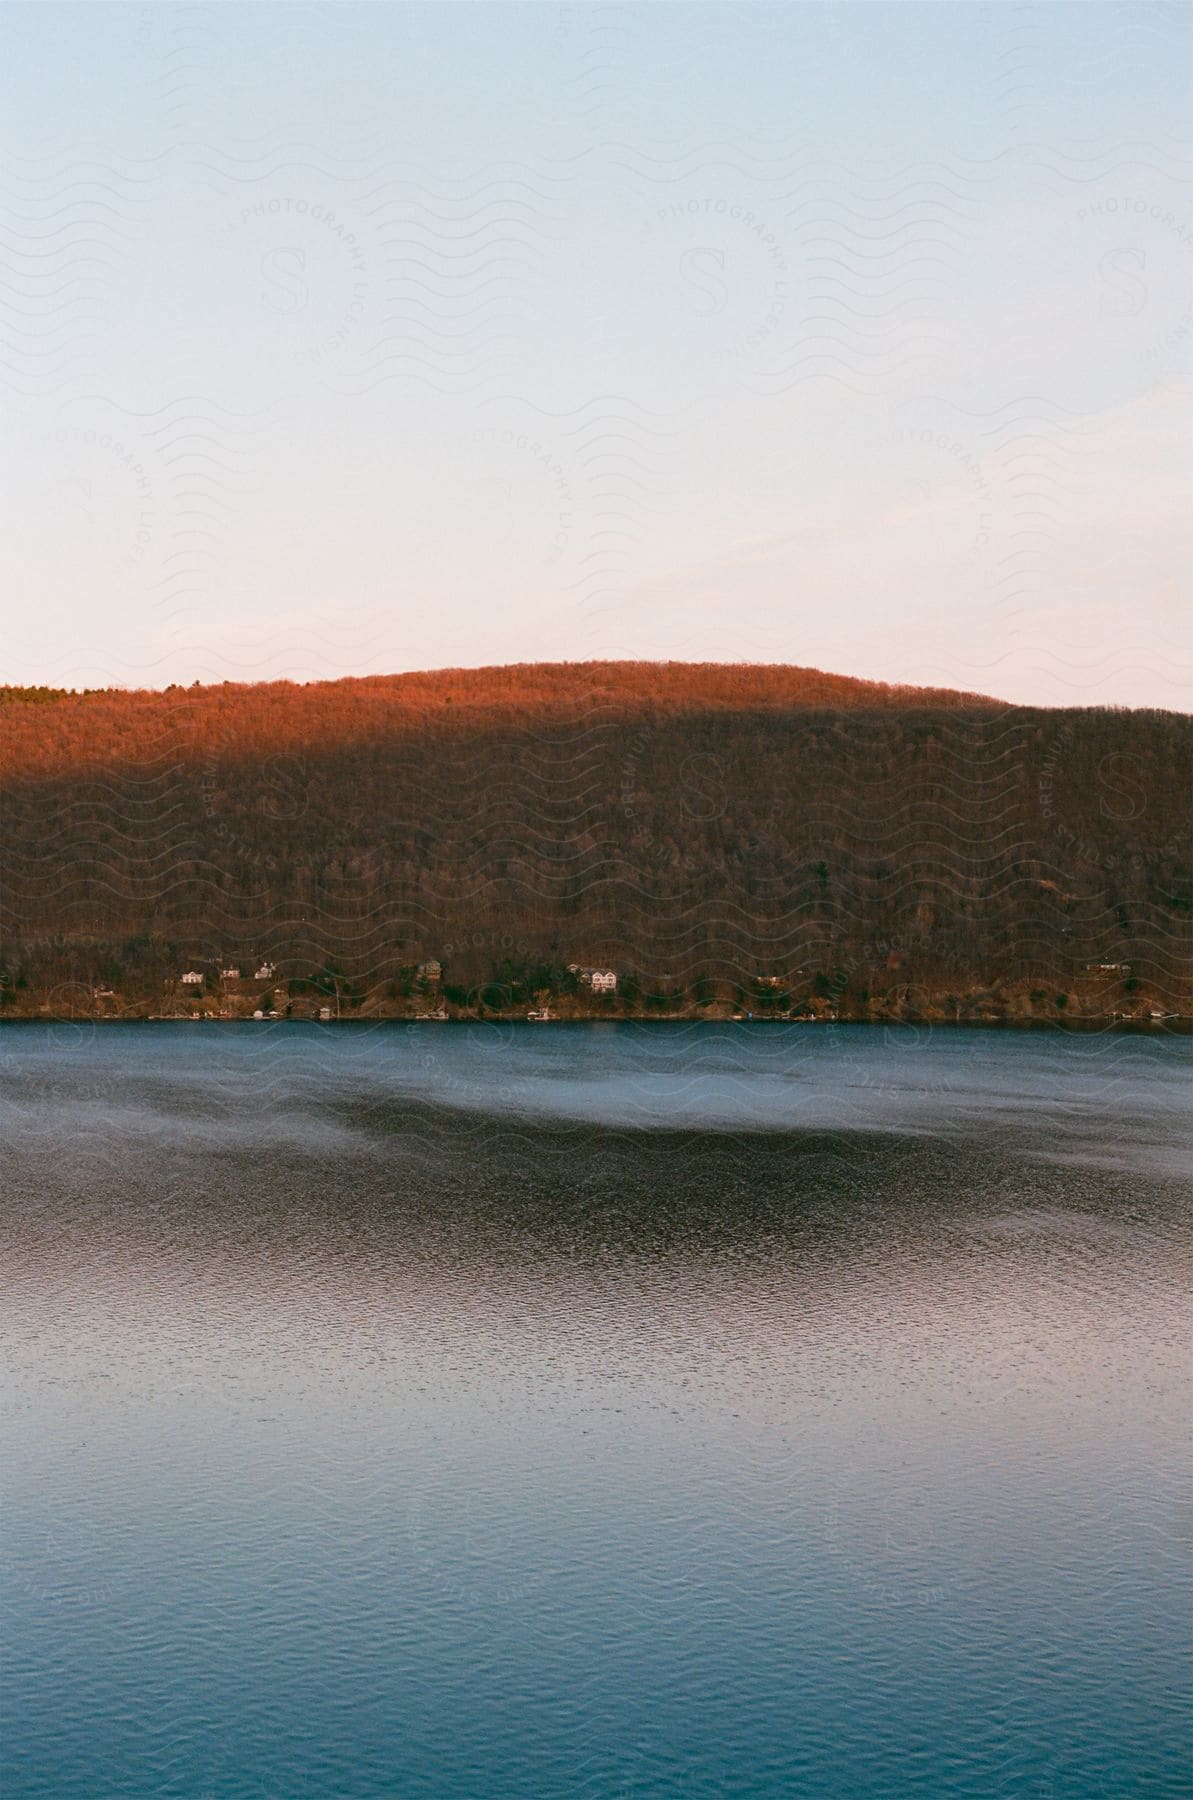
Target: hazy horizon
404 338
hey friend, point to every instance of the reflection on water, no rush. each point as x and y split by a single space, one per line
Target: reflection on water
1100 1099
442 1414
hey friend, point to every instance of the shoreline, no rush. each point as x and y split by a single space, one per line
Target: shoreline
1176 1025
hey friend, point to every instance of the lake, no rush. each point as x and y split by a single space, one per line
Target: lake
595 1410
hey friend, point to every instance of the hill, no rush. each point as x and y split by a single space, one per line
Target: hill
743 837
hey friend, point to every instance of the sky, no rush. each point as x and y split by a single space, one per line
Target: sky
352 339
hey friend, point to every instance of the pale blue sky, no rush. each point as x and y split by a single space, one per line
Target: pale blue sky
346 339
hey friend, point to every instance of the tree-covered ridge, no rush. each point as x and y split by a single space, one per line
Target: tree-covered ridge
376 708
681 823
44 696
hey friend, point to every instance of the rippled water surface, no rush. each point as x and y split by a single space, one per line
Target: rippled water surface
595 1411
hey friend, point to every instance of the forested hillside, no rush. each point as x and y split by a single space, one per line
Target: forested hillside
694 827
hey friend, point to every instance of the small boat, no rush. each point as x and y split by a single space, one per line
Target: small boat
538 1015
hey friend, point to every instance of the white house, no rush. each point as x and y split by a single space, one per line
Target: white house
192 978
603 981
229 974
432 970
265 972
